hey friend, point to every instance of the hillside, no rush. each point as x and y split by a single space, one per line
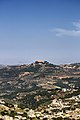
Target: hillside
40 84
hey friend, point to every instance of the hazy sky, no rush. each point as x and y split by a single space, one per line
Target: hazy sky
39 29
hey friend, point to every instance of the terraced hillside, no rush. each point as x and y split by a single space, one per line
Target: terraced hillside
36 86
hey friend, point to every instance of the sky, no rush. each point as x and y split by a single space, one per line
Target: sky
33 30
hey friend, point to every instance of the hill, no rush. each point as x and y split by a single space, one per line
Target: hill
37 84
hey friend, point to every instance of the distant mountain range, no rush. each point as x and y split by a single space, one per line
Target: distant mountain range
41 68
